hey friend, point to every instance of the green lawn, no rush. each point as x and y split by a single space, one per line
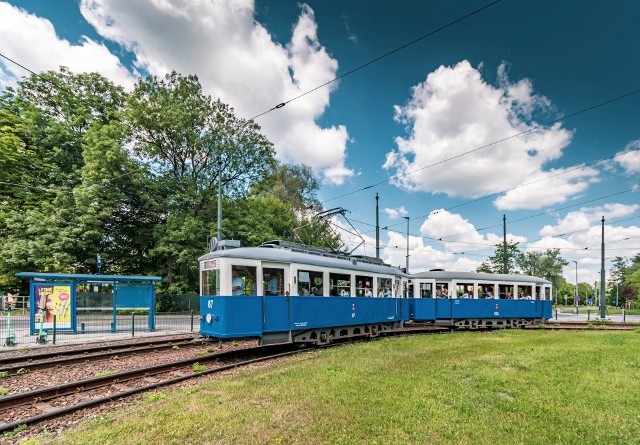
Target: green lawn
502 387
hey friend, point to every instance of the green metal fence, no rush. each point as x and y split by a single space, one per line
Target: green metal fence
96 321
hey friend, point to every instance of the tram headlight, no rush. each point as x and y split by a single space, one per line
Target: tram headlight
209 318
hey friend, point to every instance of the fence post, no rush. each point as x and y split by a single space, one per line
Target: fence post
191 321
588 314
54 328
624 316
556 314
133 324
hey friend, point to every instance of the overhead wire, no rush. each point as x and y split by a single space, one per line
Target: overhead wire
364 65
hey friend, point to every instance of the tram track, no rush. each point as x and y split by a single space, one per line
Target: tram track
13 366
48 402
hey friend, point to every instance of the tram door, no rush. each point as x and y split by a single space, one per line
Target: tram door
275 290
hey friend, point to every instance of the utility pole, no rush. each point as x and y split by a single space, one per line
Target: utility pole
504 244
407 266
377 229
220 197
603 308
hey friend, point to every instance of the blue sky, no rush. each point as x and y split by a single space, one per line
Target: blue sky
421 126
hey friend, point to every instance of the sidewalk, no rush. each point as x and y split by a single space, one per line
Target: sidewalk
593 315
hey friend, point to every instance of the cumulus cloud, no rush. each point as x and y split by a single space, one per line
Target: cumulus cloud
630 160
33 42
583 218
458 234
454 111
237 60
396 213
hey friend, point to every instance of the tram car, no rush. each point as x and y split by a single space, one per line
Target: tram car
284 292
288 292
469 300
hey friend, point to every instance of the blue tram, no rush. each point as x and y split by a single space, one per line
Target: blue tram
286 292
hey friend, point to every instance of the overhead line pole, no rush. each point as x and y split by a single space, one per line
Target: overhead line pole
603 307
377 229
504 244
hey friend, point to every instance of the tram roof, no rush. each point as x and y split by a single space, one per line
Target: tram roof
479 276
284 255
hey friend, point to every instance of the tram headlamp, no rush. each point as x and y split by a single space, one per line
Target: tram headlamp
209 318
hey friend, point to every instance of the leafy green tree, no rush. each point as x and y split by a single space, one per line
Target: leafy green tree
191 142
292 184
48 121
548 265
495 263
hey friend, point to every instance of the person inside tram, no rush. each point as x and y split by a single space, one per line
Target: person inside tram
367 292
272 289
445 292
387 292
237 283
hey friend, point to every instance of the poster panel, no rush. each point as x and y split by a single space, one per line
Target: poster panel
55 300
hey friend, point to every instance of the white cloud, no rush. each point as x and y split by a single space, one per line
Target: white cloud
583 218
32 42
459 235
396 213
237 60
630 161
455 111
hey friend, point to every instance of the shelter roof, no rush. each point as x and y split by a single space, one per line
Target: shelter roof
88 277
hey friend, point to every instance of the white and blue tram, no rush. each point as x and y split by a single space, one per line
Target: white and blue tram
287 292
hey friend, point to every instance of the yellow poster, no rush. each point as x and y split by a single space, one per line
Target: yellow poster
50 301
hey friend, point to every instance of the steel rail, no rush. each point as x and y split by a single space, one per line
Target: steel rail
132 391
47 355
50 392
88 357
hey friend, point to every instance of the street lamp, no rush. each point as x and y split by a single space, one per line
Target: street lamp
407 265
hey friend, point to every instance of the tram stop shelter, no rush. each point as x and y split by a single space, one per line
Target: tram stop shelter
64 295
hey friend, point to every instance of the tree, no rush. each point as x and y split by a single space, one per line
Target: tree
191 142
495 263
546 264
293 184
54 219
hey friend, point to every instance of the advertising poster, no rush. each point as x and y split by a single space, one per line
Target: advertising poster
55 300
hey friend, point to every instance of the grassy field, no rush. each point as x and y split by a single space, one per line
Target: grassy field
502 387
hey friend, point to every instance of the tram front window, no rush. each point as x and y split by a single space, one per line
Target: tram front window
210 282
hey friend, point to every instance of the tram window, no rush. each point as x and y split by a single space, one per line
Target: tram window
441 290
426 290
310 282
364 286
384 287
243 280
339 285
211 282
273 281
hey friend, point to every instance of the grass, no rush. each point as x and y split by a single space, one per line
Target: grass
507 387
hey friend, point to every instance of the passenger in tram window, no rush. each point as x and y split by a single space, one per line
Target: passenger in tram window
489 294
272 289
304 291
465 295
509 296
445 292
387 292
237 283
368 293
313 291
